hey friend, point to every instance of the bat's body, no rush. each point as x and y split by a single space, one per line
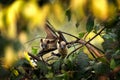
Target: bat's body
63 49
50 42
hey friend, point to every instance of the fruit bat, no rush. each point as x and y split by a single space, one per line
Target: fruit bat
50 42
62 48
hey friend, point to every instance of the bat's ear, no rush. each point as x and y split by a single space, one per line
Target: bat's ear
41 40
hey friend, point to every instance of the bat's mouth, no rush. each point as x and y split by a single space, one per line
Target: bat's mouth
43 49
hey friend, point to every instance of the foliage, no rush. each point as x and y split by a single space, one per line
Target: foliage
19 19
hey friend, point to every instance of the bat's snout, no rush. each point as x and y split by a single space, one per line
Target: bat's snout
62 47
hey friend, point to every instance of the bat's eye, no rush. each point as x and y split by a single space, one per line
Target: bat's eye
41 45
41 40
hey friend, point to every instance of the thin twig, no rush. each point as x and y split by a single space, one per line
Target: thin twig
91 53
68 34
36 58
87 45
30 41
90 47
43 52
86 42
95 35
33 39
74 51
86 36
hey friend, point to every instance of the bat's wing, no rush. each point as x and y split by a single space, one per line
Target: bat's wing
50 32
61 37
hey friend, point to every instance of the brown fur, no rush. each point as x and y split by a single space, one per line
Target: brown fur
63 49
50 41
48 44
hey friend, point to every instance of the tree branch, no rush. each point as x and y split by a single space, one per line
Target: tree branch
92 48
86 42
43 52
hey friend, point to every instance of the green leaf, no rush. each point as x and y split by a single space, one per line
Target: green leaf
68 64
101 68
57 65
68 13
90 24
81 34
77 24
112 64
34 50
116 57
49 75
96 28
63 76
42 66
82 61
103 60
21 62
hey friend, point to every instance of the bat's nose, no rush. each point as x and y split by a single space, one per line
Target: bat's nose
44 46
62 47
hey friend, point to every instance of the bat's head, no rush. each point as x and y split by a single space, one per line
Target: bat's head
44 44
62 45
